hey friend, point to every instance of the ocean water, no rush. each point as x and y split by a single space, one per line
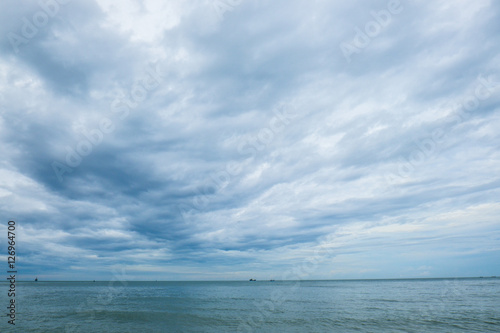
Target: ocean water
416 305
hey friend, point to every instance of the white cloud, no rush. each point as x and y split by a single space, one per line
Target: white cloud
349 170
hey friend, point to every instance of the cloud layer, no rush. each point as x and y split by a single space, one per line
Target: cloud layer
232 139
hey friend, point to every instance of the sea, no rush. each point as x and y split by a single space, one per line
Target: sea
400 305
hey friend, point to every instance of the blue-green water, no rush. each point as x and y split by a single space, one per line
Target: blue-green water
420 305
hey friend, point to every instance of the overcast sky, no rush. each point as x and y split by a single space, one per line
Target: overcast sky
237 139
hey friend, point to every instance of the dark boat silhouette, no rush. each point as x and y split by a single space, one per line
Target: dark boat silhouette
36 279
253 280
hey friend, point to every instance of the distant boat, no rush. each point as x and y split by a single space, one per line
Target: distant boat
253 280
271 280
36 279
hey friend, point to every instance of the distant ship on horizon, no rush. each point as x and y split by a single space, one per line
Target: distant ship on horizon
36 279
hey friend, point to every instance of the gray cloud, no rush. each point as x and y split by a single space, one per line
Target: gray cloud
190 145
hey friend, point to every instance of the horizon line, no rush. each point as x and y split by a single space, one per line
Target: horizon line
274 280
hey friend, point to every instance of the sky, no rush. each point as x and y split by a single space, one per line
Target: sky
237 139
